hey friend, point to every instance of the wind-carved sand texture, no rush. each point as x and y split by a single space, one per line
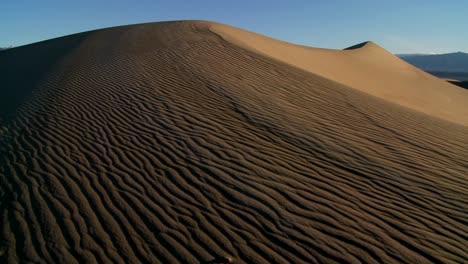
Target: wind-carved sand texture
194 142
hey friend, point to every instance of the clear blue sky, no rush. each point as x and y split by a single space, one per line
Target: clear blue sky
401 26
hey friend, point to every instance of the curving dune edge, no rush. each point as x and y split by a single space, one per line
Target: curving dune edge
197 142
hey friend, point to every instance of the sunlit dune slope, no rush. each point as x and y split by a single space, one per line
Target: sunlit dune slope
193 142
366 67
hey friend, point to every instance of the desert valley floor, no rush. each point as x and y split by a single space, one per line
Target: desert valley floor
197 142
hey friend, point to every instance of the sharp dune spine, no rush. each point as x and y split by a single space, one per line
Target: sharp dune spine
175 142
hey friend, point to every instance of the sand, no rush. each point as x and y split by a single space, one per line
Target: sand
366 67
195 142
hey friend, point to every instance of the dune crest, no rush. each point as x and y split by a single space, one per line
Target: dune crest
166 143
366 67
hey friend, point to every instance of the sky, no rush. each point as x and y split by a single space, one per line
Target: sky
400 26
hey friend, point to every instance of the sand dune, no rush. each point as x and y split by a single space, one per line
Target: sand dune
190 142
366 67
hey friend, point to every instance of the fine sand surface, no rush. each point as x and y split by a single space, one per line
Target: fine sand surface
187 142
366 67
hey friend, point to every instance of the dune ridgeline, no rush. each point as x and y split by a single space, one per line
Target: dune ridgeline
197 142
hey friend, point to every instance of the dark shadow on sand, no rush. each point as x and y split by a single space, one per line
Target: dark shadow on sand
23 68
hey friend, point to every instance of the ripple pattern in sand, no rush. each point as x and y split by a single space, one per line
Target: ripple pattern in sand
163 143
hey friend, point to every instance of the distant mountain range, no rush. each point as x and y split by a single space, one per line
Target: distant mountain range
449 65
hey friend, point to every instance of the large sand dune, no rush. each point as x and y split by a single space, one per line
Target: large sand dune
184 142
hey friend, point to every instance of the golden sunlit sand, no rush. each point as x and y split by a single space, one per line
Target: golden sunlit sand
197 142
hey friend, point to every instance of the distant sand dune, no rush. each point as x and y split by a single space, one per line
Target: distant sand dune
366 67
194 142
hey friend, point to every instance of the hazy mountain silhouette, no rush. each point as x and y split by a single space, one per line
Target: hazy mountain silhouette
449 62
449 65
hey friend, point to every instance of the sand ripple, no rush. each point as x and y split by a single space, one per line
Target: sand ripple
164 143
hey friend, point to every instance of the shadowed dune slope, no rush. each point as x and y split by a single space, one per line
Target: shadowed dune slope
170 143
22 69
